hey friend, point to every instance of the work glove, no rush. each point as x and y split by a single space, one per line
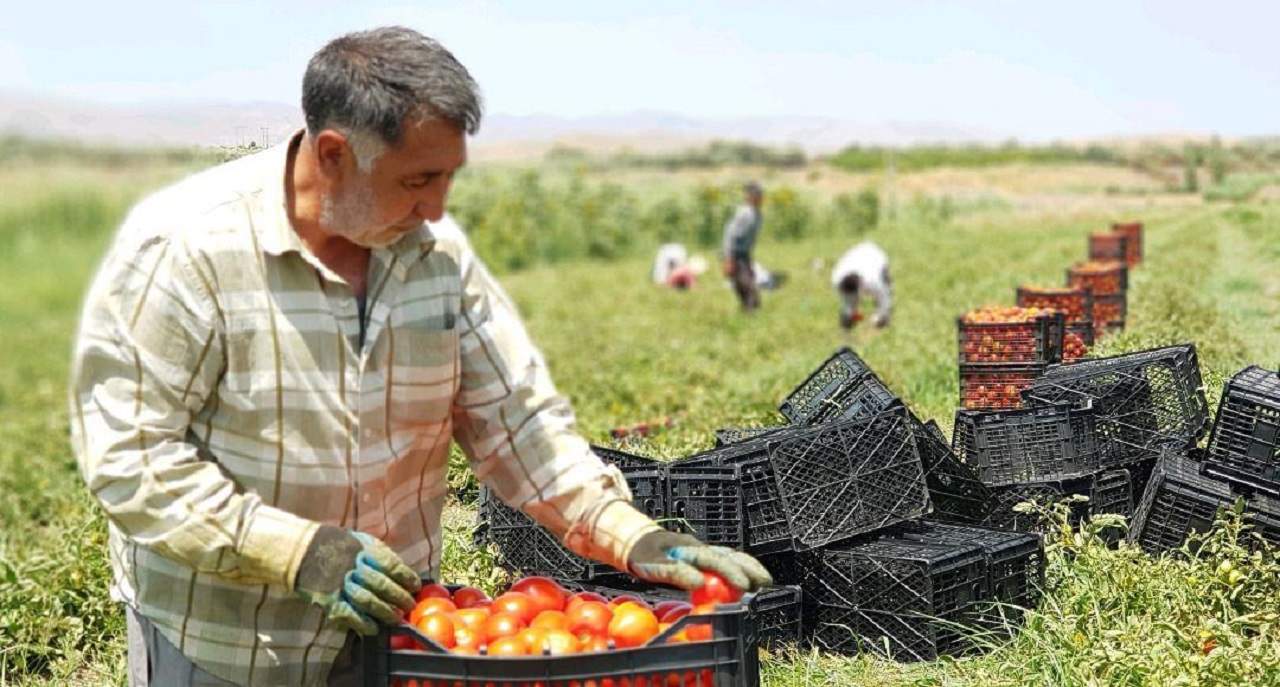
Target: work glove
356 580
679 559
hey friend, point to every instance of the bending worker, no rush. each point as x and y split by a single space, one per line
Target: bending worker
271 364
863 271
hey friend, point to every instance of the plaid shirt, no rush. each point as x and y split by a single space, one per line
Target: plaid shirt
222 407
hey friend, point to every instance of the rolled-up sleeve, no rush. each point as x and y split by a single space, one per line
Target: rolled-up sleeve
147 358
519 432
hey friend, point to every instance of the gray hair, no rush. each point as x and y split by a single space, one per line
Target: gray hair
366 84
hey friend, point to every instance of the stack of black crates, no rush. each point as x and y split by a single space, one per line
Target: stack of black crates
884 537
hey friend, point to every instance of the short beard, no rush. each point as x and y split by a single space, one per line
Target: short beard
350 214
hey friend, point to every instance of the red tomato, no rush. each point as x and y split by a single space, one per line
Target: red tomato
632 626
502 625
589 616
624 598
714 589
581 597
674 613
517 604
438 627
433 591
467 597
664 606
404 643
546 593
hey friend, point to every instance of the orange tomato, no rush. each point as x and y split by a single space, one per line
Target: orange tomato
438 627
433 591
589 616
594 643
501 625
533 638
468 597
467 638
700 631
560 642
471 617
429 605
714 589
517 604
507 646
632 625
550 620
546 593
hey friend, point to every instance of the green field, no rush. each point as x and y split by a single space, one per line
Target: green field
627 352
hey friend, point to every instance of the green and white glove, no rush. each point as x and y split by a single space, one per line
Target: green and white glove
356 579
679 559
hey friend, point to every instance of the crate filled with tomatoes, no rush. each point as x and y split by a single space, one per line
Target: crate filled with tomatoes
537 632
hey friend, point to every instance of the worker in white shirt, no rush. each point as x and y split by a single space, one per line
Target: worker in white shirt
863 271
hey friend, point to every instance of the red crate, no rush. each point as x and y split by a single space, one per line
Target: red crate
1075 303
1133 231
1109 313
1108 245
1009 339
1103 278
996 386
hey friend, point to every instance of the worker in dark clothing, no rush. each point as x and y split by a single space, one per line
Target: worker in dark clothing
739 241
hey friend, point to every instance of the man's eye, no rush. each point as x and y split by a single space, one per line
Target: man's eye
417 184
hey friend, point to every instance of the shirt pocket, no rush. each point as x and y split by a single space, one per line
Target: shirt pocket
423 375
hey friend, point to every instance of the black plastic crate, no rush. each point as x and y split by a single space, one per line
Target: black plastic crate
895 597
624 460
527 548
706 501
1244 446
955 492
767 528
1112 493
1015 566
1140 472
842 388
1179 501
1003 516
1263 515
737 435
1029 445
729 659
806 488
849 478
1144 401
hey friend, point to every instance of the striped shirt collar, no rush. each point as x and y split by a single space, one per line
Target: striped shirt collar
277 236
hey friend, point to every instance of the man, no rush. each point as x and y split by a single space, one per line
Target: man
739 240
863 270
271 364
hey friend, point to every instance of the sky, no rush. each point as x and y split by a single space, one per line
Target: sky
1033 70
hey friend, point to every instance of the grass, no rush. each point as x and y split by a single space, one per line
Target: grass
626 352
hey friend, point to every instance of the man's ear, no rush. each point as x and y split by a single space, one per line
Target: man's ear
333 152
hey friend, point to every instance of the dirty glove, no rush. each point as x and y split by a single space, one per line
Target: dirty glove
678 559
356 579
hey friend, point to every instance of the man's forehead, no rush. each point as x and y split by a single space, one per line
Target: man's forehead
433 141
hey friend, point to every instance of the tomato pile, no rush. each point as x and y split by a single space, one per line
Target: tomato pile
536 616
1070 301
1103 276
1000 334
996 389
1073 347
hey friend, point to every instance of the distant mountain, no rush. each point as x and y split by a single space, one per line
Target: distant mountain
501 136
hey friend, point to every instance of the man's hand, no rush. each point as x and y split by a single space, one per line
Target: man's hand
679 559
356 579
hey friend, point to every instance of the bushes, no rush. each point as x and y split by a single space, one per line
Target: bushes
517 220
